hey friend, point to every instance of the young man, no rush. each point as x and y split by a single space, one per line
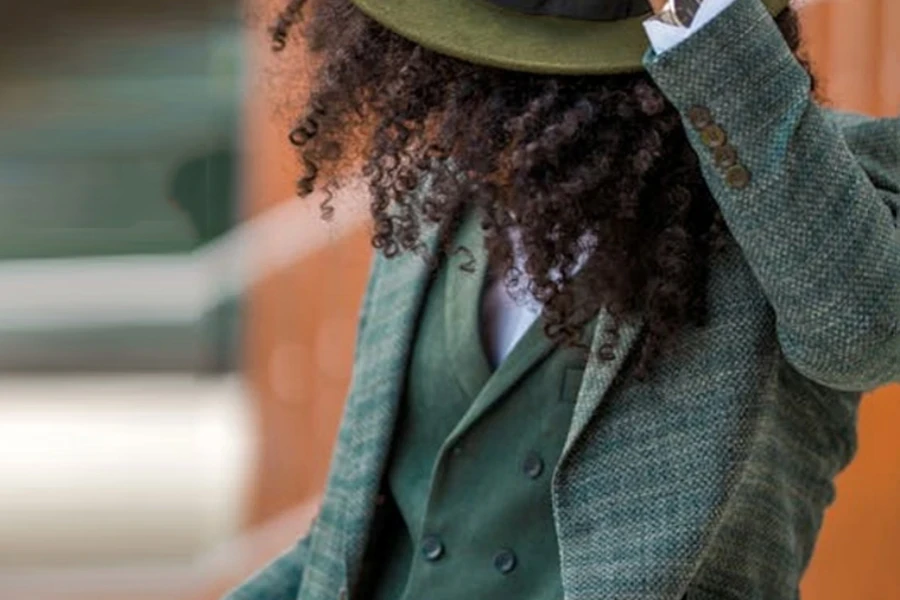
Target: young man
657 186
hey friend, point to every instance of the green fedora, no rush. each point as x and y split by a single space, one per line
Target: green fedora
541 36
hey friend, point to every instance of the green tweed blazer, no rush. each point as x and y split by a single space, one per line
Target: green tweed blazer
709 481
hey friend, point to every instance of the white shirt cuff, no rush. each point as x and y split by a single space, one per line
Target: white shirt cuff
665 37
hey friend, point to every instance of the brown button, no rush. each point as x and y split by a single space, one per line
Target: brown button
737 177
725 156
713 136
700 116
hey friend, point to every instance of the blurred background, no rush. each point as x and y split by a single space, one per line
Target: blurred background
170 391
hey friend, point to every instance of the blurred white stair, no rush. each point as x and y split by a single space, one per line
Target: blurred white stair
103 471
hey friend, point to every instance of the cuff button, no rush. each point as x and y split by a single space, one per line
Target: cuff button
725 156
737 177
700 116
713 136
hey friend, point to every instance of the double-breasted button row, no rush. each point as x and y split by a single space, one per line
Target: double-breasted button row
505 560
715 138
532 464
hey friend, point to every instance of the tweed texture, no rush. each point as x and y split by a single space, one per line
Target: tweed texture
278 580
710 480
817 232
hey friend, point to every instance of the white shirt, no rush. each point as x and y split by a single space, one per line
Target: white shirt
505 319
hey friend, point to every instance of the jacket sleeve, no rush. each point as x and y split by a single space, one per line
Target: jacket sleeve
811 199
278 580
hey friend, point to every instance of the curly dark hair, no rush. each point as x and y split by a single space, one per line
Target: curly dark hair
553 156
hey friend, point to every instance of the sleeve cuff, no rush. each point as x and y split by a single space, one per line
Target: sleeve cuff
728 63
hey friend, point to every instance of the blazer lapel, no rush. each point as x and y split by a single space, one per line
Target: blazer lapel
596 382
386 335
598 376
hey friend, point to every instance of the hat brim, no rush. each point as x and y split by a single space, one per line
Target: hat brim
480 32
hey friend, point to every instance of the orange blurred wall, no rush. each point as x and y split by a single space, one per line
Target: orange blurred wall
301 322
855 48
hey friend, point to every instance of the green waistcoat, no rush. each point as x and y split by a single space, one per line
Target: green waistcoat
468 484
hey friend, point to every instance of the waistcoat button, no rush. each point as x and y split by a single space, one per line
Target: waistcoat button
533 465
432 547
505 561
